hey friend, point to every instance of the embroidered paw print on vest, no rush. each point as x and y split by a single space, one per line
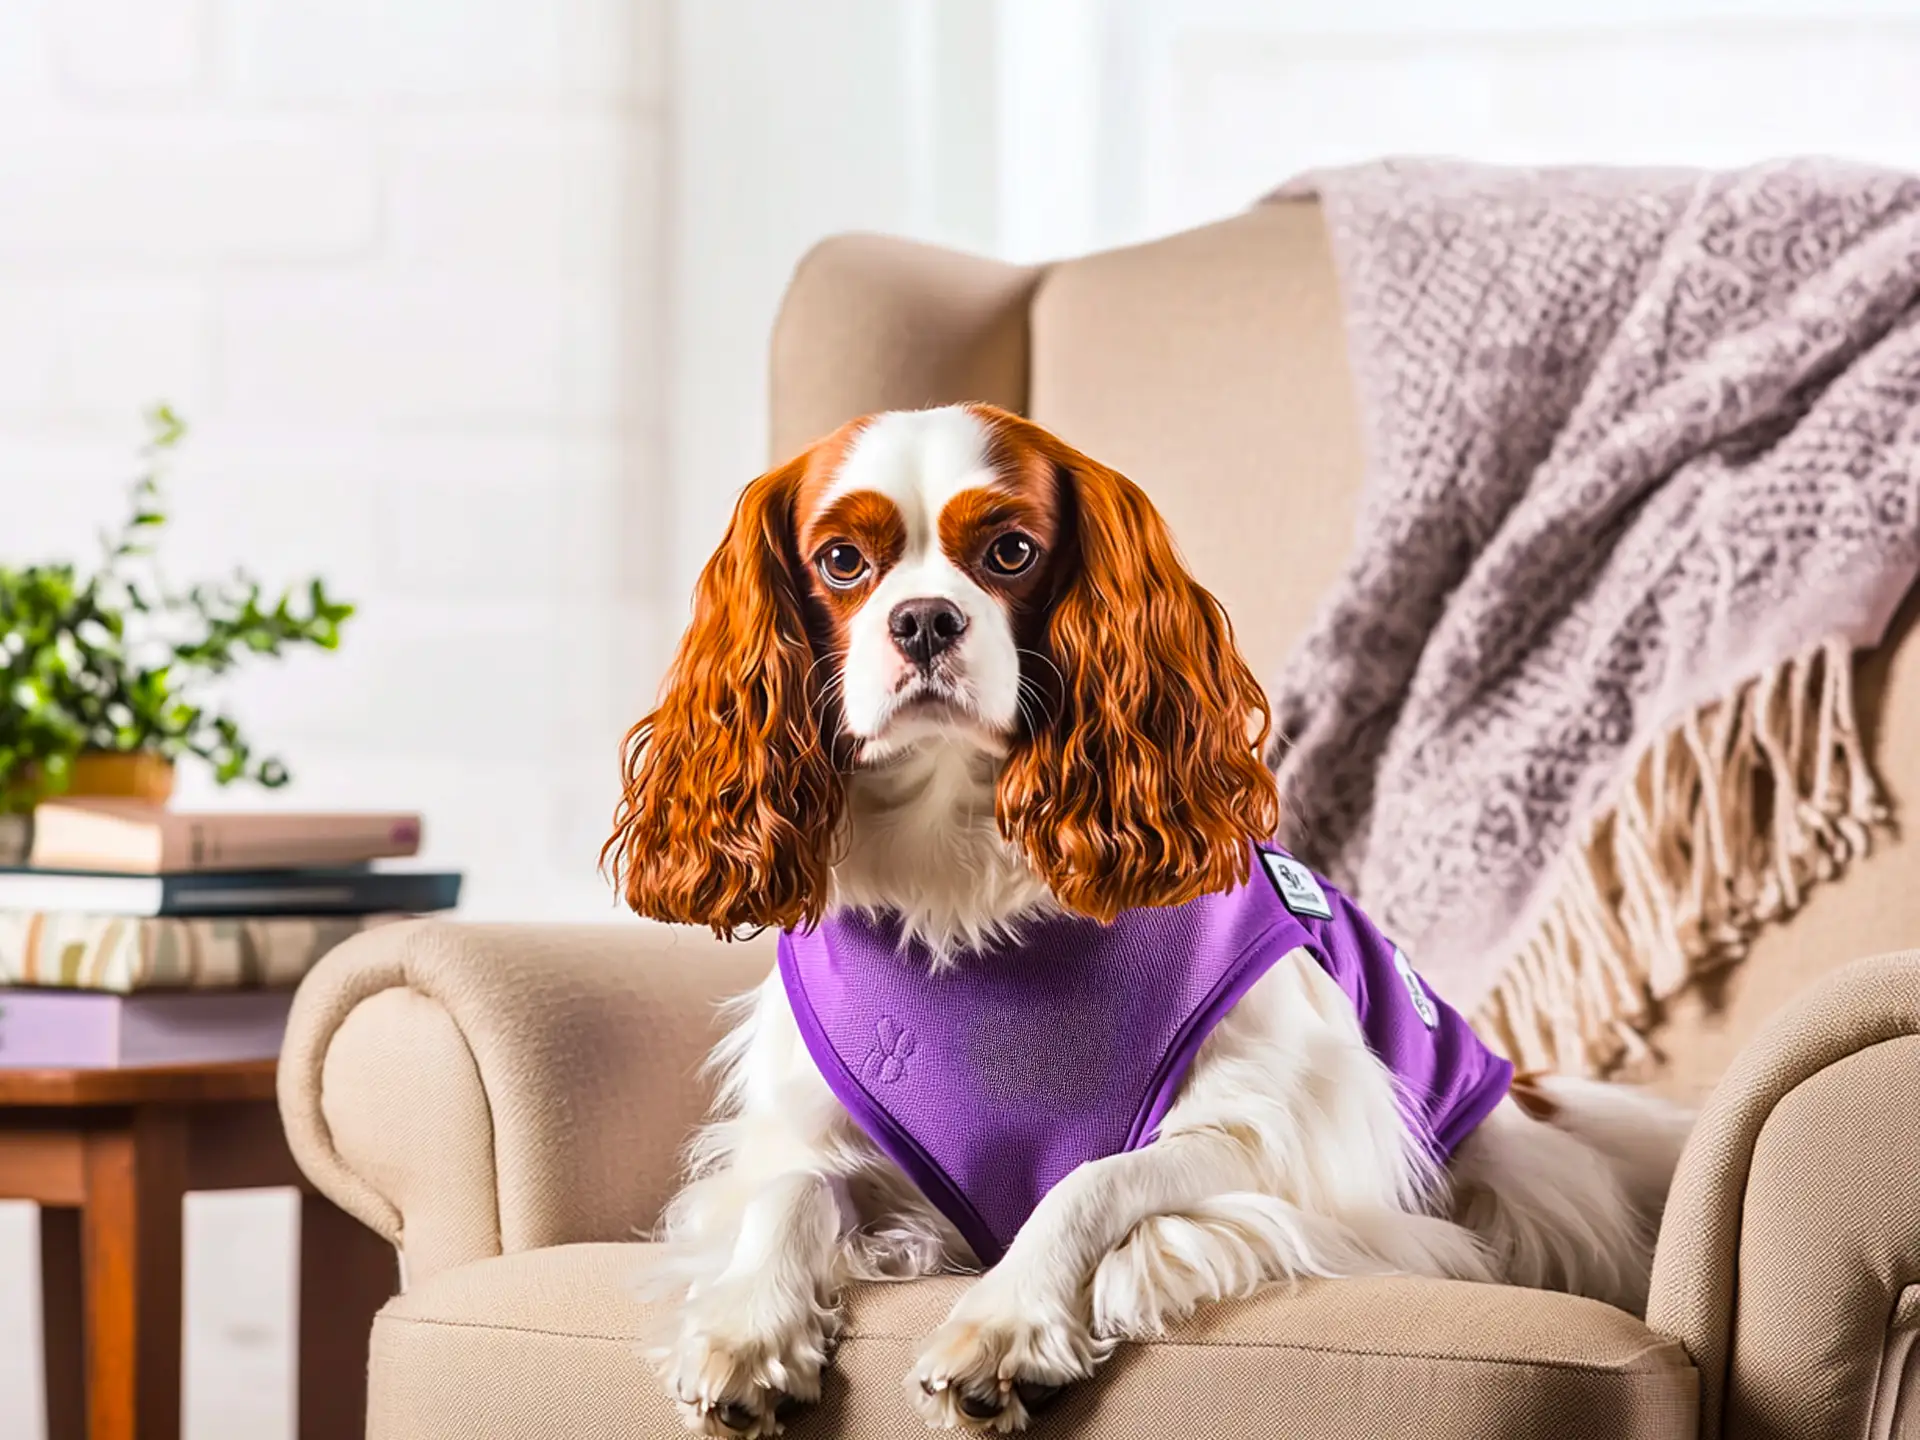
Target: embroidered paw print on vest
893 1044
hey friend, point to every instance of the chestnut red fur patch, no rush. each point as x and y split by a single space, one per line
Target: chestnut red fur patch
1145 785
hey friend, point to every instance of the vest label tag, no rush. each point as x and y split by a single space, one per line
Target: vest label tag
1299 889
1416 992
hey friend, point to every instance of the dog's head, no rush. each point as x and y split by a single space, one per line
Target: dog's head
933 577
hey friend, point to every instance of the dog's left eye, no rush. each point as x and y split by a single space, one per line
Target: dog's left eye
842 566
1012 554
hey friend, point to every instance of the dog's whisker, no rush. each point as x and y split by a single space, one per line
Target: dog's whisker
1026 710
1029 653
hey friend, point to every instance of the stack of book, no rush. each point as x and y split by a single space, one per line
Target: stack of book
136 935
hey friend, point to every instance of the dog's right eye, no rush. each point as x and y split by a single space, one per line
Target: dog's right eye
842 566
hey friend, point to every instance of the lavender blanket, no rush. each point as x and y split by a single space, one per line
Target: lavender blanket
1643 472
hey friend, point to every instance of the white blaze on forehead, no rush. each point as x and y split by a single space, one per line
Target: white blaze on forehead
919 459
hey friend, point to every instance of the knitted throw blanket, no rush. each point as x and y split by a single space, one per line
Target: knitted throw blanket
1643 472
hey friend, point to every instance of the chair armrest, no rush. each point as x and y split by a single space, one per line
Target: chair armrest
1793 1227
874 323
473 1090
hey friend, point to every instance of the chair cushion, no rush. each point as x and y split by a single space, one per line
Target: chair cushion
545 1343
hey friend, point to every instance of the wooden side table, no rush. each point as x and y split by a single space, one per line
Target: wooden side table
109 1156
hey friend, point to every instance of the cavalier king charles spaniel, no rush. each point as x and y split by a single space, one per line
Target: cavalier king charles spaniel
953 716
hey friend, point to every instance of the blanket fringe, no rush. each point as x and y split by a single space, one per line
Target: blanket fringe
1725 823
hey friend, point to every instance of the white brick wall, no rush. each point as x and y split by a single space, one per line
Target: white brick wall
399 264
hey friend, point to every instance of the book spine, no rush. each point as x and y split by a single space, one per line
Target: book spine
52 1030
120 954
367 892
170 1029
211 844
71 1029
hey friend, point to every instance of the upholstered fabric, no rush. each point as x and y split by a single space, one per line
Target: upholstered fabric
1793 1229
871 323
535 1088
546 1344
475 1092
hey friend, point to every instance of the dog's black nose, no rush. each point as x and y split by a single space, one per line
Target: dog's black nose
922 629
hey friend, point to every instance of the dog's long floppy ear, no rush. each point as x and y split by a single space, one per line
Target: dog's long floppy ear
1143 784
731 799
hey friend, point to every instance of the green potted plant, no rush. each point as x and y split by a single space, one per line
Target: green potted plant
103 674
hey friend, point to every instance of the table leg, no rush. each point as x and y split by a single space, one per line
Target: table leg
131 1250
346 1273
62 1318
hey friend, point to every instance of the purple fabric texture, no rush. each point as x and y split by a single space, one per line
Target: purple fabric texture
989 1081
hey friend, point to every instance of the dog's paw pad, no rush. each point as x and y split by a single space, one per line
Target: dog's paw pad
982 1375
741 1389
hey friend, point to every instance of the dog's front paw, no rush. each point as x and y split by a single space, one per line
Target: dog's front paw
741 1380
999 1361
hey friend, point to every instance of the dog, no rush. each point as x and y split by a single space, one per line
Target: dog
952 715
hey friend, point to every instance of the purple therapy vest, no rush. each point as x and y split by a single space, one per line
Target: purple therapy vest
988 1082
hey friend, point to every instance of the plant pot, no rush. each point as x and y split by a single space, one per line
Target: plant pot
138 775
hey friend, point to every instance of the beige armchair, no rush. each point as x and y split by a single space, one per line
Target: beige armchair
505 1104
